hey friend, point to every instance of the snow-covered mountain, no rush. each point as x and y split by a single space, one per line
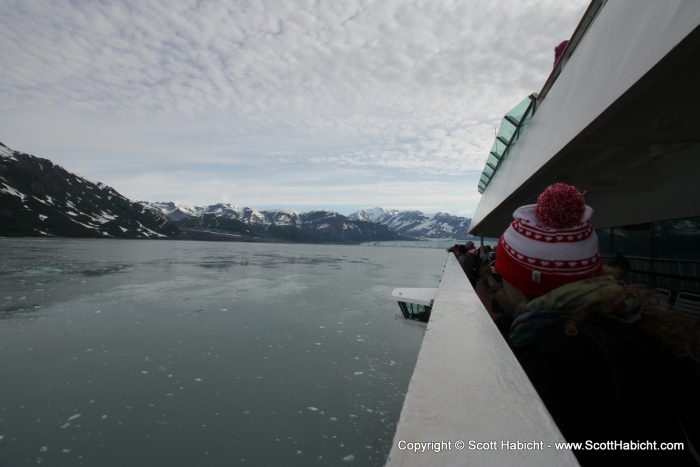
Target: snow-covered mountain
417 224
174 211
178 211
290 225
40 198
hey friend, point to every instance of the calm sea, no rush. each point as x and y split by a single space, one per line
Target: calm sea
149 353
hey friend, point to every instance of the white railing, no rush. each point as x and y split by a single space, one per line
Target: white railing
468 387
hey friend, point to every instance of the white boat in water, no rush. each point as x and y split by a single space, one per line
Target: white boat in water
618 119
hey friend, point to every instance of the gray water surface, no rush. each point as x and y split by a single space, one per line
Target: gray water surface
148 353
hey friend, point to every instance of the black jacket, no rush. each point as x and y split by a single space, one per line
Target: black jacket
612 382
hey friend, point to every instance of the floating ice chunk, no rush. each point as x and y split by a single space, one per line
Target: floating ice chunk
313 409
334 419
299 453
349 458
359 373
104 417
199 380
64 426
73 417
2 437
144 372
317 343
65 450
43 449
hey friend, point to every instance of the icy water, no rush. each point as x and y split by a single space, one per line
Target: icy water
164 353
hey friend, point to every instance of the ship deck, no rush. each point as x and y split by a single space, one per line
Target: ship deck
468 386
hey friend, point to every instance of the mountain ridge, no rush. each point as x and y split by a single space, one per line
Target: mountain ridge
414 223
40 198
407 223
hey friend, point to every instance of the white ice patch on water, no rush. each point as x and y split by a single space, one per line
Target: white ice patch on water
64 426
359 373
349 458
73 417
312 409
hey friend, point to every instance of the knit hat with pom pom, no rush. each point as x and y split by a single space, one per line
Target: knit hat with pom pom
550 243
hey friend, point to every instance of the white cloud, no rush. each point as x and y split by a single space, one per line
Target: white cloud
415 87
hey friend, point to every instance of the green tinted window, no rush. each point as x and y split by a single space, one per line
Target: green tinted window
508 133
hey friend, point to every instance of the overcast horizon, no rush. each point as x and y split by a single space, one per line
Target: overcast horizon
305 105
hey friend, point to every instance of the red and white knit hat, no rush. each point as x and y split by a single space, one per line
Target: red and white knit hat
550 243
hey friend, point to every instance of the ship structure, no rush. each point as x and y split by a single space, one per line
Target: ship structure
618 119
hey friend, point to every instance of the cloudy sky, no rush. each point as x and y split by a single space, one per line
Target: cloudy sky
336 104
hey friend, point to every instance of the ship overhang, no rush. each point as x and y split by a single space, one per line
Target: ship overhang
621 123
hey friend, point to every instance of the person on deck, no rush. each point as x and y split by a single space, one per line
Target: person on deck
609 362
